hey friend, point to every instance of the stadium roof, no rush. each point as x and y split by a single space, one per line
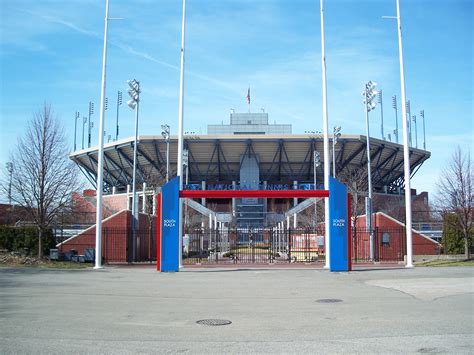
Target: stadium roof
216 158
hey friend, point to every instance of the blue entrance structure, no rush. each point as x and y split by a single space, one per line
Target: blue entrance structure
169 219
339 233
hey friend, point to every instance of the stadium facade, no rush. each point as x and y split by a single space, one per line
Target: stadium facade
253 154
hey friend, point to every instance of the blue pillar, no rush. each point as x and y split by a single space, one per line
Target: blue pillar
170 220
339 251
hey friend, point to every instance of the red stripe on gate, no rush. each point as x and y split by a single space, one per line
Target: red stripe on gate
349 231
253 193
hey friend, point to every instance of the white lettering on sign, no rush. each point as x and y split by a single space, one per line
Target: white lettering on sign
340 222
169 223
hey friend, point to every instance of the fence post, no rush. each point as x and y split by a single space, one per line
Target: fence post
377 244
289 244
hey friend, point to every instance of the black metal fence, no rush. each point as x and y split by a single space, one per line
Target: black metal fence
389 244
239 245
253 245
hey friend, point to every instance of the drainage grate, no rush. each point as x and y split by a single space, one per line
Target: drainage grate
214 322
329 300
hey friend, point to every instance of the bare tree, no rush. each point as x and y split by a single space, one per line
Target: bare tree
44 177
356 181
456 195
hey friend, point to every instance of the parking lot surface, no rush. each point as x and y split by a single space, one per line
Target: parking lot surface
130 310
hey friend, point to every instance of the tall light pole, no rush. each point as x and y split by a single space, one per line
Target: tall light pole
166 135
134 103
316 164
379 97
408 107
84 121
91 124
336 133
406 153
75 129
369 94
119 103
394 105
9 166
416 131
422 115
326 139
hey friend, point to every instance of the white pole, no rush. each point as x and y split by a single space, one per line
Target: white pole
134 185
406 155
368 217
326 140
100 165
180 135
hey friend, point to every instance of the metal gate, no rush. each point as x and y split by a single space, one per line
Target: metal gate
253 246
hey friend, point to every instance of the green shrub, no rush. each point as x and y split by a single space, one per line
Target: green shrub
453 241
22 239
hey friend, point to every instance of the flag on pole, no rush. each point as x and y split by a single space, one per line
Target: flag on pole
248 96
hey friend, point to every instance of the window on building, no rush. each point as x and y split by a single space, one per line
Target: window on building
385 239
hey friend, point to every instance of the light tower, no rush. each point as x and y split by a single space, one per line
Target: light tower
369 95
133 103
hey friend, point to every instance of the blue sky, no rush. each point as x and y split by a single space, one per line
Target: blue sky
51 51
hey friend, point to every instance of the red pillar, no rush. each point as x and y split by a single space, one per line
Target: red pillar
349 230
158 232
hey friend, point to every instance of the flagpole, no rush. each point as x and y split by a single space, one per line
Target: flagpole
100 157
326 140
248 98
180 136
406 153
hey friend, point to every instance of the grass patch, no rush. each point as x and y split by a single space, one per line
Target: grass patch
438 263
9 260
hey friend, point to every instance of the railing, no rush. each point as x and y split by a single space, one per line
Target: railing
253 245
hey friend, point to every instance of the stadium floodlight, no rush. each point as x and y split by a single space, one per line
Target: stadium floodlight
119 103
133 103
369 94
91 112
416 131
335 136
166 135
422 115
380 102
75 129
84 121
408 110
394 106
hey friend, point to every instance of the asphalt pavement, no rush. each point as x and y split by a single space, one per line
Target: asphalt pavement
124 310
